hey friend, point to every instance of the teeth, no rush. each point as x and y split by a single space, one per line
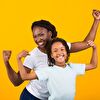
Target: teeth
40 43
61 56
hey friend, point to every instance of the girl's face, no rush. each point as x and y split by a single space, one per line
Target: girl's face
41 36
59 54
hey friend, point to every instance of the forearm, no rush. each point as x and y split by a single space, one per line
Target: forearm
78 46
12 75
92 34
94 59
24 74
21 68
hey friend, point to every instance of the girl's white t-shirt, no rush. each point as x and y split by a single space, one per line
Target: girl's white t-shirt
61 82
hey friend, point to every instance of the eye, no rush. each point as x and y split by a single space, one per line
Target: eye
62 49
42 34
55 50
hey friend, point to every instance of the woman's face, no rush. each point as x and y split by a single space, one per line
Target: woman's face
41 35
59 53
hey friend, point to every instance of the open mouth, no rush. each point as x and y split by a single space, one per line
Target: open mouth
60 56
41 44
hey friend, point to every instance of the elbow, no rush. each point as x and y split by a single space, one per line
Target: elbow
94 66
16 83
86 45
85 40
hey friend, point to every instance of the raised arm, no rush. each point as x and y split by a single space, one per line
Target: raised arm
94 58
24 74
78 46
13 76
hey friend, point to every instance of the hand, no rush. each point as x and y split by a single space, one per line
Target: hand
96 14
91 43
6 55
22 54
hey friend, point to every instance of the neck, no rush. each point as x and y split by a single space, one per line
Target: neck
61 64
42 50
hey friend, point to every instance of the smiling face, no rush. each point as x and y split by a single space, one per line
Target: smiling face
41 36
59 54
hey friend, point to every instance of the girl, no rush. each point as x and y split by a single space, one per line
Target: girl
60 76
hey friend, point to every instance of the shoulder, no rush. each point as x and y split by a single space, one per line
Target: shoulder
77 67
33 51
30 59
32 54
75 64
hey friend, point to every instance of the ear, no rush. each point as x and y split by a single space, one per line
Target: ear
50 34
51 55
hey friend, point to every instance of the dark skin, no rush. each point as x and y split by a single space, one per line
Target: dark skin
41 35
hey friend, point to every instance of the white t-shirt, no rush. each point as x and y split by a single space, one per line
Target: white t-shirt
37 60
61 81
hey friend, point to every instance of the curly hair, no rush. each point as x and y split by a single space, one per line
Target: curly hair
51 61
47 25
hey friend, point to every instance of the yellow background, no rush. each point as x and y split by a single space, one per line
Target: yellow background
73 20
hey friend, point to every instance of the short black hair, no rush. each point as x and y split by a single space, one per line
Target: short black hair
51 61
47 25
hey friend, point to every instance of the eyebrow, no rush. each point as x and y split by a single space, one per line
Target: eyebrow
38 33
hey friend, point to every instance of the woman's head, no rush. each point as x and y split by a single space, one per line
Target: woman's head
58 52
42 32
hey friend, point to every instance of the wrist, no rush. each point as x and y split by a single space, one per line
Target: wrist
6 61
97 20
19 58
94 47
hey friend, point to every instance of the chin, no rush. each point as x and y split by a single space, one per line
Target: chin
42 47
61 61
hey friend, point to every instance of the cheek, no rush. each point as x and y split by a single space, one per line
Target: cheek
47 36
34 39
53 55
66 56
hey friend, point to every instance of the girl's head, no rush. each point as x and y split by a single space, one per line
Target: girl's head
42 32
58 52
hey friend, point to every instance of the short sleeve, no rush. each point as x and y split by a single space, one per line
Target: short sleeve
78 68
42 74
69 45
29 62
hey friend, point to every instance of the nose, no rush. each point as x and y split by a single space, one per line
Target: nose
59 52
38 39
